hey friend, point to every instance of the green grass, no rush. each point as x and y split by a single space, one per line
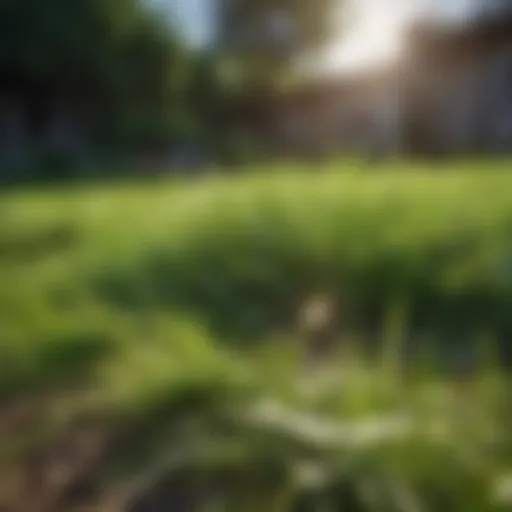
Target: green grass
169 310
240 253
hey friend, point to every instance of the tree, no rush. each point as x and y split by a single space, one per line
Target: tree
264 36
112 58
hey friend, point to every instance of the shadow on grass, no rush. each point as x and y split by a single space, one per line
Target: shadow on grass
56 362
242 307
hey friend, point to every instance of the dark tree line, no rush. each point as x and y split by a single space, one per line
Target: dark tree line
115 64
131 84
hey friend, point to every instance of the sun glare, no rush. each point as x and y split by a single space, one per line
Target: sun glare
372 34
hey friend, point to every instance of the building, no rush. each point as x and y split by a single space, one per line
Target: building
450 91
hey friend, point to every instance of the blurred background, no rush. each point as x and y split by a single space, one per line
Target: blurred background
255 255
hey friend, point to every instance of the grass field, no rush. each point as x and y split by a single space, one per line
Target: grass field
162 318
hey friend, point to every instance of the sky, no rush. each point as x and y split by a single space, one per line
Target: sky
196 18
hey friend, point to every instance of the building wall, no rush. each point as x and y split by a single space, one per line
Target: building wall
496 117
450 101
460 99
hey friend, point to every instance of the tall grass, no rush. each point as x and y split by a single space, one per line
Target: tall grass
168 313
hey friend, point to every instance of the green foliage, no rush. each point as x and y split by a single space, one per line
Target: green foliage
259 245
244 253
118 67
132 296
63 41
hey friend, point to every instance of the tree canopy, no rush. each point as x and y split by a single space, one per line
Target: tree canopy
113 55
264 36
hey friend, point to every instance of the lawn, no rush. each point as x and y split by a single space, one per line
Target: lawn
164 318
